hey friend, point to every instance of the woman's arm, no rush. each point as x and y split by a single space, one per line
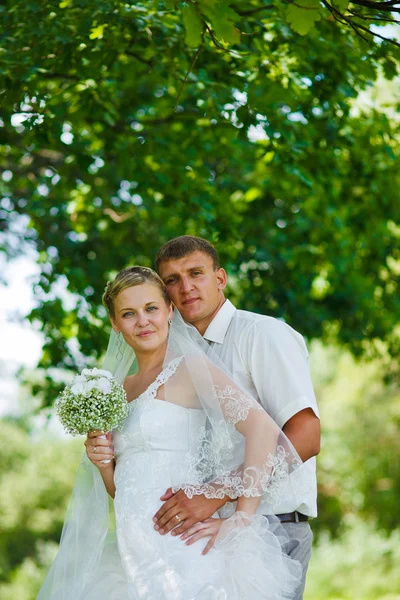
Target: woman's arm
107 474
261 436
104 451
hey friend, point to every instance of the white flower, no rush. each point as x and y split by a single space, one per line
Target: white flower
99 373
81 385
95 373
103 385
91 379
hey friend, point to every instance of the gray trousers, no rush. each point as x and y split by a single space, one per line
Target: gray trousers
298 547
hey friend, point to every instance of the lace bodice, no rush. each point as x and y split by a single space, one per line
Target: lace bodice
161 379
153 424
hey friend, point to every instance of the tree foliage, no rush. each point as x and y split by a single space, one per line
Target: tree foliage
219 17
116 135
338 566
359 467
36 480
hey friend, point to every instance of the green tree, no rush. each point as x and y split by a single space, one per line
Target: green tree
338 566
36 477
359 466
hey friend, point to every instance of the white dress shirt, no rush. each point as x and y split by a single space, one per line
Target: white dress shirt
269 360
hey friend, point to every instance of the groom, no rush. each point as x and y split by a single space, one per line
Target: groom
268 359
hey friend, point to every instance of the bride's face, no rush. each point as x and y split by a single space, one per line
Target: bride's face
141 315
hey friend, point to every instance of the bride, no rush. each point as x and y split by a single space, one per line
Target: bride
189 428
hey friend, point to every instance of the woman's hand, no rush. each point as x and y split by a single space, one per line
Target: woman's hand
99 449
207 528
189 510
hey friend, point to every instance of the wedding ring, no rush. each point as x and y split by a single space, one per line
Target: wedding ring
95 449
177 517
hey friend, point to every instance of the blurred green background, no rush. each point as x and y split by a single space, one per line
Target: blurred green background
123 125
357 540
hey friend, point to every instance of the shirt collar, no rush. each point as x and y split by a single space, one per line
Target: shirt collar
218 327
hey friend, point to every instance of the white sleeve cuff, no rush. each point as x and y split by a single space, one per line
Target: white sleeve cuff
293 408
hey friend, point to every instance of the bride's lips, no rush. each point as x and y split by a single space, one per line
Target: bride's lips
145 333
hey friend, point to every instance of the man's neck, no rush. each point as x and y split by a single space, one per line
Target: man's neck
202 325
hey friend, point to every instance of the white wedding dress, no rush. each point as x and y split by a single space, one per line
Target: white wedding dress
248 564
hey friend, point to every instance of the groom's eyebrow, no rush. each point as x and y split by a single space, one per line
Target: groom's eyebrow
187 270
198 266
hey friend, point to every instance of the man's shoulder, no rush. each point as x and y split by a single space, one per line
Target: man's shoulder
255 326
246 318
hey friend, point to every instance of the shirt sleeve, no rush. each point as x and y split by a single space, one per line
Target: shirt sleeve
276 358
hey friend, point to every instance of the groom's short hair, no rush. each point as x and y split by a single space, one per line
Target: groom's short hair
184 245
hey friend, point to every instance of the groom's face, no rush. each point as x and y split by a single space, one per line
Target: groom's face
195 287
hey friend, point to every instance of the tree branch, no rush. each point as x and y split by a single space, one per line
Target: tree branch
385 6
220 47
304 7
352 25
114 216
251 11
356 26
371 17
333 12
170 117
373 33
149 63
199 49
51 75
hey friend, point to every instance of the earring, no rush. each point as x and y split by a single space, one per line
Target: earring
169 322
119 345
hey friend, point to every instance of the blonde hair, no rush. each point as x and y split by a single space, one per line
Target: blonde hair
131 277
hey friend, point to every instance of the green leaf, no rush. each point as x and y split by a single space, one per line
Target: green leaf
222 18
97 32
303 16
389 68
193 26
341 5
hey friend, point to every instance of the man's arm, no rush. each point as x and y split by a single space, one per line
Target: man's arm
277 359
304 431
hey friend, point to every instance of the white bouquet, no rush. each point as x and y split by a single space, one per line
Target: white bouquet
93 401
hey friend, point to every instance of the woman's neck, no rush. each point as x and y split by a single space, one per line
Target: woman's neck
151 361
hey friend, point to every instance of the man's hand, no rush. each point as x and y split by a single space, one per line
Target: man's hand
189 510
